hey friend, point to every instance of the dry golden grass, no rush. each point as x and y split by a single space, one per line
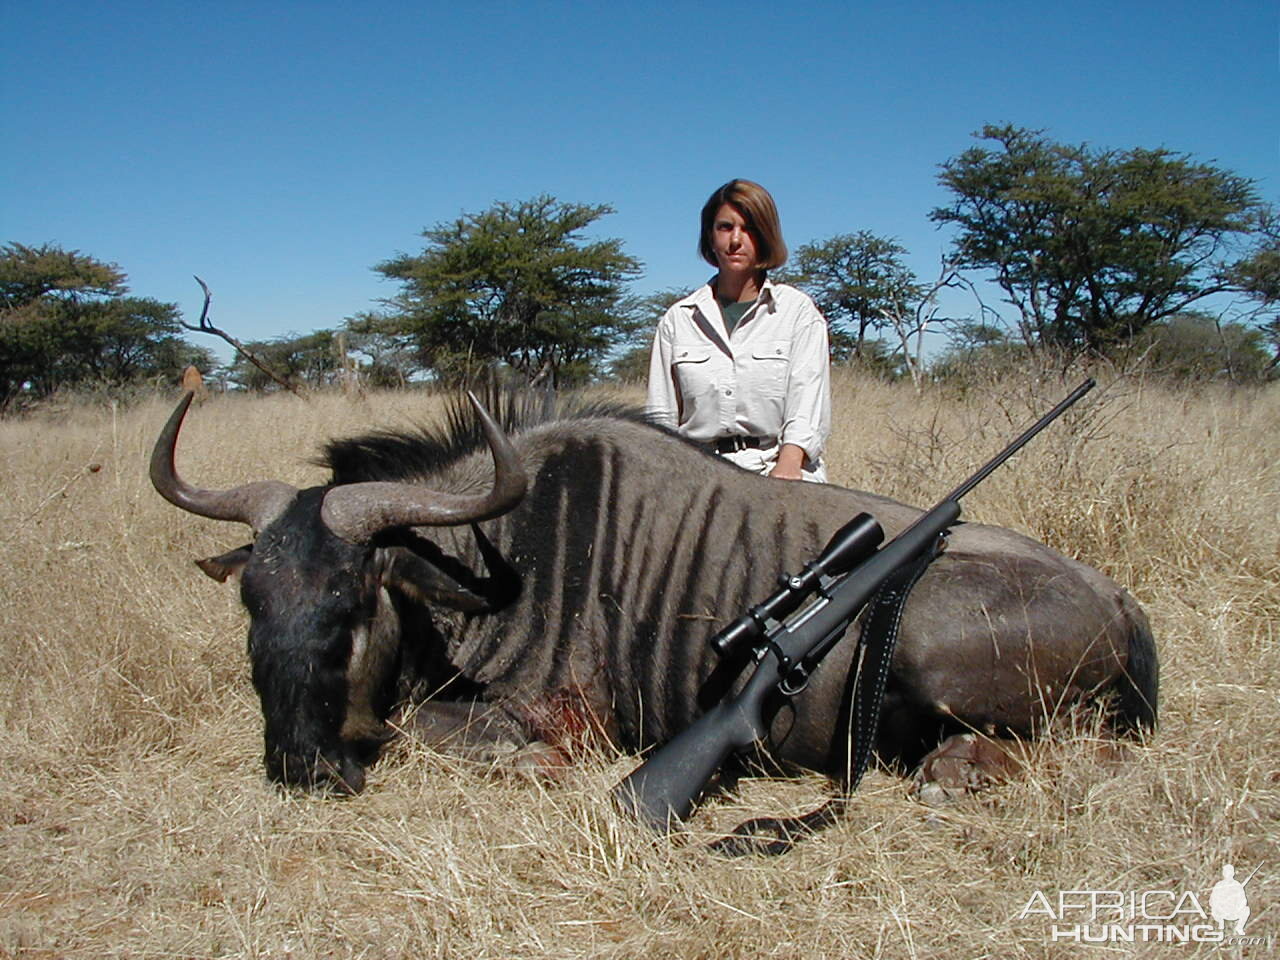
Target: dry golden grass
136 821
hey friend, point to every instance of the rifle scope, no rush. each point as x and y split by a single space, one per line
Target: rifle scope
848 547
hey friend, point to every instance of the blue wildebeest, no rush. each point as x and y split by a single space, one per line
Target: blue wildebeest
580 572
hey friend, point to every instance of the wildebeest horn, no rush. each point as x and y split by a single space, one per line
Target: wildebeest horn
256 504
359 511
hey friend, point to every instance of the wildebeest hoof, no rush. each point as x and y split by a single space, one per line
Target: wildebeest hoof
935 794
539 761
959 766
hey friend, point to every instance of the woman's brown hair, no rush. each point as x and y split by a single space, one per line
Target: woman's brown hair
761 216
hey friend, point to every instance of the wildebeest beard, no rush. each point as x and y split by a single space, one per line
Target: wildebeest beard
316 619
326 637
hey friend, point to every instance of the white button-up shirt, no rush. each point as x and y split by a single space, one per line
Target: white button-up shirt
769 378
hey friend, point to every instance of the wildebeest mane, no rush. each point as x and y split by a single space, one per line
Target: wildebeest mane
424 449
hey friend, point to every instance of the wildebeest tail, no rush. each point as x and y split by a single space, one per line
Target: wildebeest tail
1138 688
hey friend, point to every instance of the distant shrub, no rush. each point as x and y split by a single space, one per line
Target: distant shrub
1196 347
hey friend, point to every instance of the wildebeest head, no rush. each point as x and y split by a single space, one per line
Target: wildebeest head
316 581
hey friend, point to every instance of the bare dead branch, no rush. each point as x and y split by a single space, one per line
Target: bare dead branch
910 324
205 326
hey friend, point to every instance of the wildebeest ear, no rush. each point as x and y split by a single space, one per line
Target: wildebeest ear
426 583
230 564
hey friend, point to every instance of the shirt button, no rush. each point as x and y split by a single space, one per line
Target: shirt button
728 393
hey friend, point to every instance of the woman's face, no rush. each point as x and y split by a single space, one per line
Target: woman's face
732 242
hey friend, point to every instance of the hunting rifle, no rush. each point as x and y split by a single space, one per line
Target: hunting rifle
789 642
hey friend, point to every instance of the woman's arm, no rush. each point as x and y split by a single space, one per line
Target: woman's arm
790 463
807 417
663 400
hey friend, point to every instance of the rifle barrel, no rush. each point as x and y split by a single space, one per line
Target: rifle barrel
1019 443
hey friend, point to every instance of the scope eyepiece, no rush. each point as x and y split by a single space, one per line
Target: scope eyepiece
737 633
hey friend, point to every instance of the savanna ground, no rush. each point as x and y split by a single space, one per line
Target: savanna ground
135 820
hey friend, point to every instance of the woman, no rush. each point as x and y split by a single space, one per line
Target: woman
741 364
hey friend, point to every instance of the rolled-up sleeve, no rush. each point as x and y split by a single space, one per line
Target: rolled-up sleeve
662 404
807 417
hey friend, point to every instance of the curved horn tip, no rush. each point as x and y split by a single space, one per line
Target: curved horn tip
168 439
254 504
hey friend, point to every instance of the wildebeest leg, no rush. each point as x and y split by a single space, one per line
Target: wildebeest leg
483 733
963 764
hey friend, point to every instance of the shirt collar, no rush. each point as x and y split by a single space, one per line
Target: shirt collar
704 297
766 292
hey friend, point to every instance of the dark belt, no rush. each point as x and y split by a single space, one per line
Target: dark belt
734 444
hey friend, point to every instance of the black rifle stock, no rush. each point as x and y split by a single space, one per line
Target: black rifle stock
665 787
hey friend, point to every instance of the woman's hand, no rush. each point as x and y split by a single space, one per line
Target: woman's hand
790 462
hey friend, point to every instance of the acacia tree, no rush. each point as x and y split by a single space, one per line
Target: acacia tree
391 356
631 354
309 359
1259 280
1093 246
66 319
911 319
516 283
860 283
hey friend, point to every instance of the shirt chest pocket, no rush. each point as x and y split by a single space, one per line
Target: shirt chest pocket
691 368
767 368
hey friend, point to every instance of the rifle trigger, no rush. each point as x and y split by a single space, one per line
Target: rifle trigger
795 681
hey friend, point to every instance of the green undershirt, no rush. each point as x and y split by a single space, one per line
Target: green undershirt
733 311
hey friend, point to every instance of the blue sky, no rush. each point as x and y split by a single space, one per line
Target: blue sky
281 150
